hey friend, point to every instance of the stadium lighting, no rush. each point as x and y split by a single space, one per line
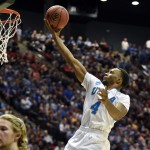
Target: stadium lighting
103 0
135 3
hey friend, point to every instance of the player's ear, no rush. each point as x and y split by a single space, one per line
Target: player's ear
119 81
17 136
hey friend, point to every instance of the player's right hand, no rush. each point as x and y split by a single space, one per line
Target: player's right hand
103 95
50 28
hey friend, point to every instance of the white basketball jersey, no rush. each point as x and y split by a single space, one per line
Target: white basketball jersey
95 115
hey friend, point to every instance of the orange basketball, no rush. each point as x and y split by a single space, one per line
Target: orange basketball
57 16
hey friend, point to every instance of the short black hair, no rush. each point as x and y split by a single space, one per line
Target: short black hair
125 78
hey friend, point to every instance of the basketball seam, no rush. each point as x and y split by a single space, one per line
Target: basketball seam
53 13
60 17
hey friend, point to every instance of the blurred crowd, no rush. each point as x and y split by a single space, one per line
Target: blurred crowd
46 91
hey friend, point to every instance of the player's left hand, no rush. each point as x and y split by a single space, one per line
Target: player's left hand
104 95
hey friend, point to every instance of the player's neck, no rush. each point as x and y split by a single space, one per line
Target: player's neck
112 87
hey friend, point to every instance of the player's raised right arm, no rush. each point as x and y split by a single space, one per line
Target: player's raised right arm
78 68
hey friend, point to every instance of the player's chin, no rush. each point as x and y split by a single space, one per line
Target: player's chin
105 82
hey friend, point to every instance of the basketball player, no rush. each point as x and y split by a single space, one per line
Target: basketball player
12 133
104 103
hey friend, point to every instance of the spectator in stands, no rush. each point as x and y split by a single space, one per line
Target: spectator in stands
104 45
88 44
26 103
19 34
34 35
13 134
80 42
47 138
148 44
124 45
8 110
71 43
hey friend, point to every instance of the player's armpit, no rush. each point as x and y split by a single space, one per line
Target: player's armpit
123 110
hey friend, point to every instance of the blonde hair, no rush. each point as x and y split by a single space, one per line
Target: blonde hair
18 127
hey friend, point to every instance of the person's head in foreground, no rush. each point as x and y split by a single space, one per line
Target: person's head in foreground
13 134
116 78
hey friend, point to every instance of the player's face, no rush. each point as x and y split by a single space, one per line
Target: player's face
112 77
7 135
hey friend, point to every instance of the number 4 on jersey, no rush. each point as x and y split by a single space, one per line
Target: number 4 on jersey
94 107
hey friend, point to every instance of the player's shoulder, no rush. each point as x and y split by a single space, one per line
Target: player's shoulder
123 95
91 76
93 79
90 81
118 93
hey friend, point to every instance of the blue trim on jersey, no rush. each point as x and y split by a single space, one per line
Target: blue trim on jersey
98 83
112 99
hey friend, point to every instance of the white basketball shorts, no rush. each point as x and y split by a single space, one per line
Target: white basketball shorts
88 139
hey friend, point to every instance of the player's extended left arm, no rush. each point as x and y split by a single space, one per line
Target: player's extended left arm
116 112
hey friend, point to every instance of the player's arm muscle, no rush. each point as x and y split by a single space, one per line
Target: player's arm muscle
78 68
122 109
116 112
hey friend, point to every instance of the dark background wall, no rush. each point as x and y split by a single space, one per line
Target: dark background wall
31 19
113 33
